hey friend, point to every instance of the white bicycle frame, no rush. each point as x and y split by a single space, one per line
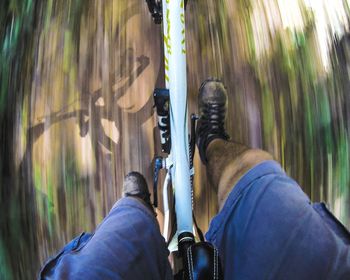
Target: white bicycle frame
171 105
178 161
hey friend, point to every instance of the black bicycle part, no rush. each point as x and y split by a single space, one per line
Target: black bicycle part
185 240
155 8
158 165
173 225
161 101
194 119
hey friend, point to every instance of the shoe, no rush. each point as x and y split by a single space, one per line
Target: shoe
135 186
212 104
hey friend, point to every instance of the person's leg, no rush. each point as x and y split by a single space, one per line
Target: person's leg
266 227
126 245
228 162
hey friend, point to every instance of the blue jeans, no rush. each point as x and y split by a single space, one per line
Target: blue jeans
267 229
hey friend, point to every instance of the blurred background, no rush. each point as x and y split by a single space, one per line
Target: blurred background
76 83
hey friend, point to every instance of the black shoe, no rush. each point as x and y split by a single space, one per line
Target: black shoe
135 186
212 104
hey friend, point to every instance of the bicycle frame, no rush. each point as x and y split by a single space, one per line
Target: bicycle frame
176 82
171 104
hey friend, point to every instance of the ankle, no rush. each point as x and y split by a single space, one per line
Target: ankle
219 154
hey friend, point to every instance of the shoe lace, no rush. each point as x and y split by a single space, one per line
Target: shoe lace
213 120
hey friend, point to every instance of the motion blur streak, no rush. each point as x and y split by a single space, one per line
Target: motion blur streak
76 105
